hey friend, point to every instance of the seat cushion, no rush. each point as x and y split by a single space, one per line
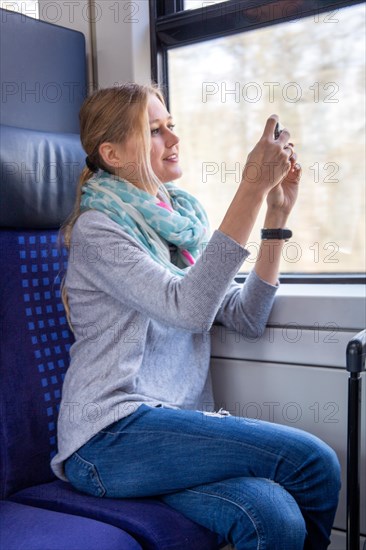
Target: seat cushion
152 523
29 528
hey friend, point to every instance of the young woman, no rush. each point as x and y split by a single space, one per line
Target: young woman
144 284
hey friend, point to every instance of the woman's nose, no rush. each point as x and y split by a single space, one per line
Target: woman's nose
171 138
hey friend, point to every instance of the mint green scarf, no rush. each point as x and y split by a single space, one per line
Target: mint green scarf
154 222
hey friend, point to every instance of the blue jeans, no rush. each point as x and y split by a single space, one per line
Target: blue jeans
259 485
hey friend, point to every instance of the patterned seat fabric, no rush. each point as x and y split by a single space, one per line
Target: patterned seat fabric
34 354
34 358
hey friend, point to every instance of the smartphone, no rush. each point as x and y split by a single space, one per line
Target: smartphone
277 131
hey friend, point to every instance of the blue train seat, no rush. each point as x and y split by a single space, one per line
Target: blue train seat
36 529
41 158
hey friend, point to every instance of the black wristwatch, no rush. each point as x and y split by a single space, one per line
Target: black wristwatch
283 234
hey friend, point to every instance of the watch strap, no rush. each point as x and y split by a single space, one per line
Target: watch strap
282 234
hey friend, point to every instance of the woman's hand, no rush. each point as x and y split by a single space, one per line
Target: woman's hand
282 197
270 173
269 163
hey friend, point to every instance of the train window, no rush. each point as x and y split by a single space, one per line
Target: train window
309 70
195 4
26 7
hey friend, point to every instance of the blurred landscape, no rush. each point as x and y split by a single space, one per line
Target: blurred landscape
311 72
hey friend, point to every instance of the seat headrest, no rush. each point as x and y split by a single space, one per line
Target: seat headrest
43 74
38 176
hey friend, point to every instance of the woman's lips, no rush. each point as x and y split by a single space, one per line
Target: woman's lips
172 158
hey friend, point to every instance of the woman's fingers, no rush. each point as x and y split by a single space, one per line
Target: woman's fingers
293 159
289 151
284 137
294 174
269 130
297 168
270 126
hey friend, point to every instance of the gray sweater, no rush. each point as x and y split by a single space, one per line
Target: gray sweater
142 335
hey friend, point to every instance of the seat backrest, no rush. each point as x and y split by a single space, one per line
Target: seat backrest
43 74
40 161
35 342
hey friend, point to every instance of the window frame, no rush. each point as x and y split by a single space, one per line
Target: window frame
171 27
318 278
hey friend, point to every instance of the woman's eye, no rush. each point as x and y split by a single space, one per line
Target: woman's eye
155 131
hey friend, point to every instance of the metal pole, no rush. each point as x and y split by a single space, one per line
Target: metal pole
356 352
353 461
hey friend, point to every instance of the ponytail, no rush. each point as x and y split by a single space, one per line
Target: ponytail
66 230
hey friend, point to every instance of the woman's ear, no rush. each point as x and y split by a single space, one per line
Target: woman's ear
110 155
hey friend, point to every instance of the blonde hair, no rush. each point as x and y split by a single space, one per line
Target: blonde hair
114 115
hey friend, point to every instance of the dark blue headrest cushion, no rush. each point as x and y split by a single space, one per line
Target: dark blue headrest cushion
38 177
43 73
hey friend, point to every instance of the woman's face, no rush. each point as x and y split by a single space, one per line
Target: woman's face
164 154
